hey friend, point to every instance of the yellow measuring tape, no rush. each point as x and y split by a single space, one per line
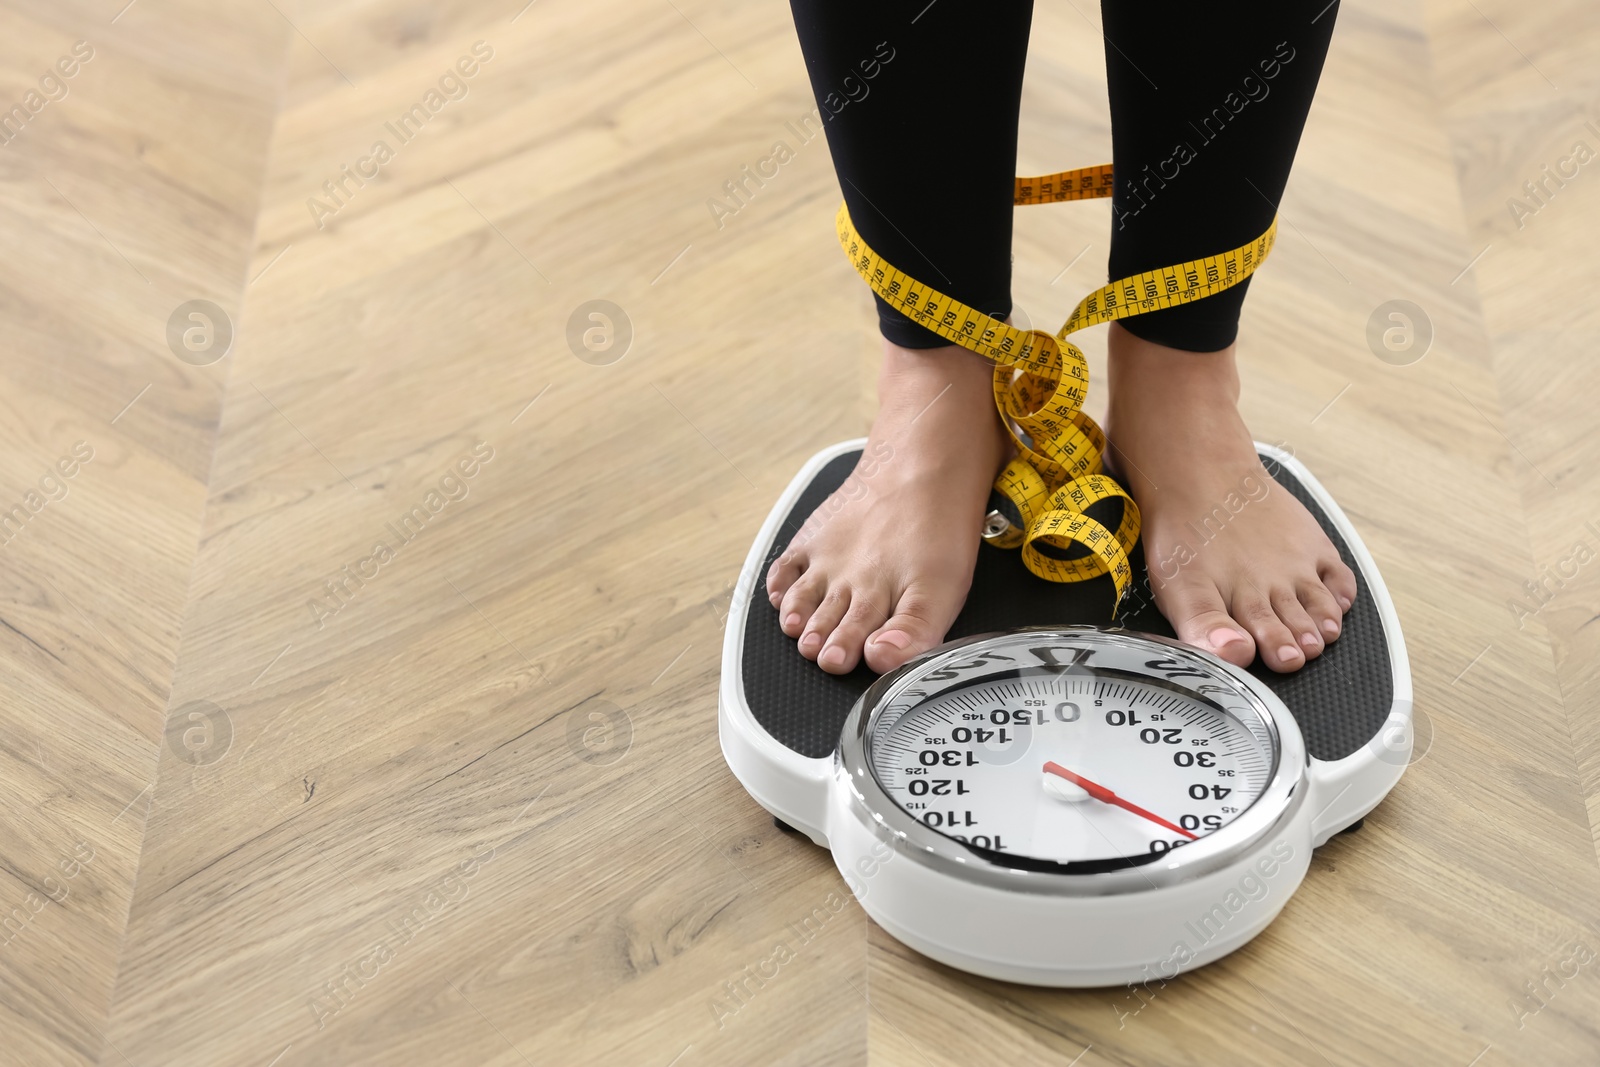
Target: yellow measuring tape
1040 383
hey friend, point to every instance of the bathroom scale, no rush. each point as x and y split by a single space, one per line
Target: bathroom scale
1057 796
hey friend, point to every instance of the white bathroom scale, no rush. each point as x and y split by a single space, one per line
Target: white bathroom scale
1055 797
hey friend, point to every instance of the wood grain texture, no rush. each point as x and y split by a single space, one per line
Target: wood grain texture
130 187
1524 122
384 756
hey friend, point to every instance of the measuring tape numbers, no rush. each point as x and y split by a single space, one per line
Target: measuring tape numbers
1055 504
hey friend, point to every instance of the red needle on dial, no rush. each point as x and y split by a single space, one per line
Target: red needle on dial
1100 792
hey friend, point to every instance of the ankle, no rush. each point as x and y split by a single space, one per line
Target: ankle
912 371
899 357
1137 369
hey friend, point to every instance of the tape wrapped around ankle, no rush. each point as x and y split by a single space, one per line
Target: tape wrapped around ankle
1076 523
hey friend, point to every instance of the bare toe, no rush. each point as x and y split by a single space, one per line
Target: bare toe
783 573
1279 648
801 601
1340 580
842 651
910 632
1324 610
1300 623
1200 618
825 619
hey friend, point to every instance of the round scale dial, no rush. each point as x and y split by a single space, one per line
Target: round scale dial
1088 768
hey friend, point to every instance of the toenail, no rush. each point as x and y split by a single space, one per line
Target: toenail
1288 653
791 620
808 642
1330 627
898 638
833 656
1310 641
1221 637
1344 602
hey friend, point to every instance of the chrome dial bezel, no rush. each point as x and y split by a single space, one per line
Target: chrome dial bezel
969 661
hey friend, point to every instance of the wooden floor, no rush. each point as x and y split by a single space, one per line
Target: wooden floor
336 731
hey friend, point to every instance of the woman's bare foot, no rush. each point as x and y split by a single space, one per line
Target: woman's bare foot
882 568
1237 565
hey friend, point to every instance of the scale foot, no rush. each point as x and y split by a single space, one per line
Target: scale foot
1352 828
785 827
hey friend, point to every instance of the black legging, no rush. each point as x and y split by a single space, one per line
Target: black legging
920 104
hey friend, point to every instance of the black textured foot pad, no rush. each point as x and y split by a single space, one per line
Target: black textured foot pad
1341 699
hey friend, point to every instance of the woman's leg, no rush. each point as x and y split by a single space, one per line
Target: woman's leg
924 139
1207 106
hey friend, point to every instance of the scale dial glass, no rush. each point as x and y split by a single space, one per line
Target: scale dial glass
1089 768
